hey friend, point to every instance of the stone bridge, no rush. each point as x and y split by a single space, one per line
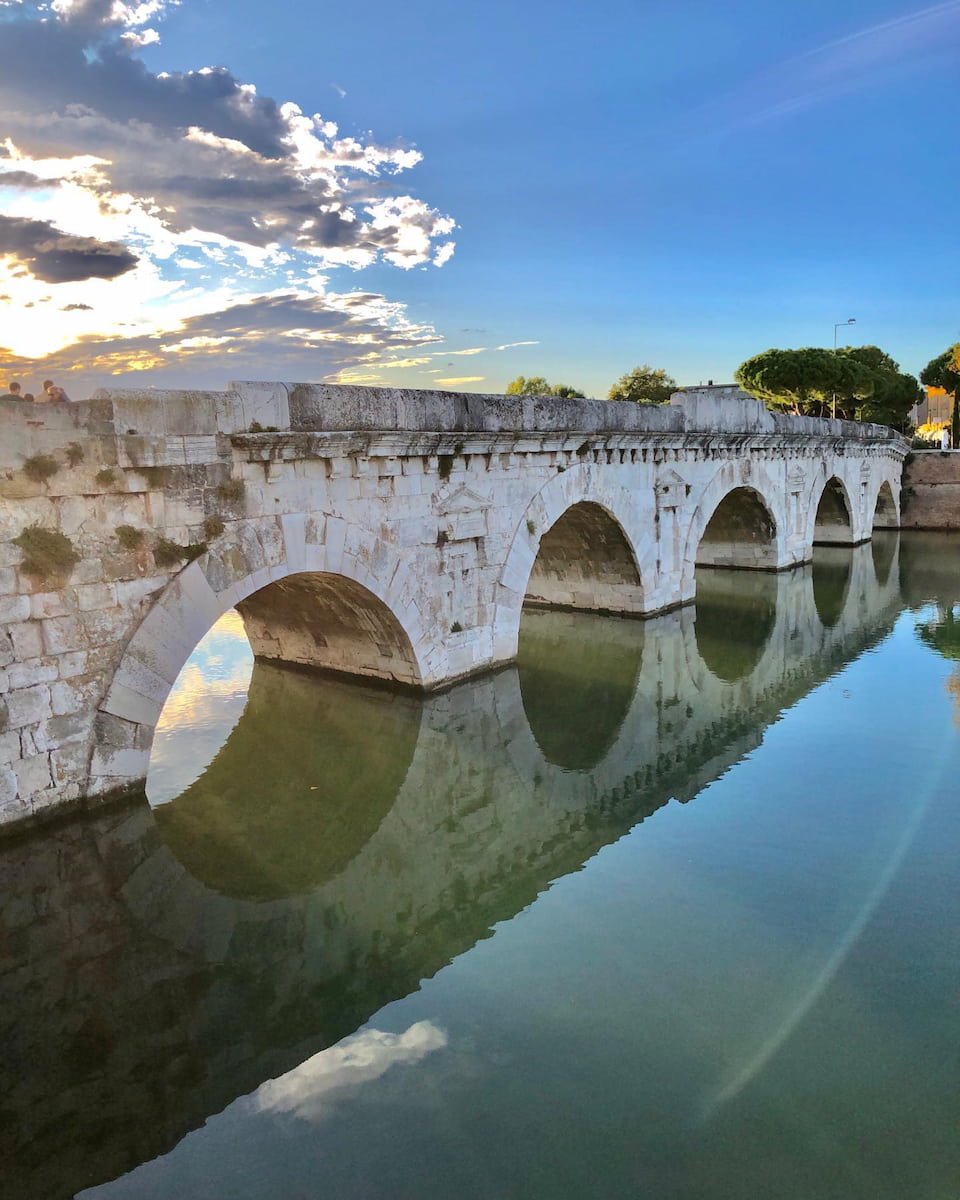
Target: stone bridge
380 533
136 944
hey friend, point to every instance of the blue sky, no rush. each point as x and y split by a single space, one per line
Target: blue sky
566 190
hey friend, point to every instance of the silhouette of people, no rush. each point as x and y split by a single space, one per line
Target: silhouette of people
53 392
13 392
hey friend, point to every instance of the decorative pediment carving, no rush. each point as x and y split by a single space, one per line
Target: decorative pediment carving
465 513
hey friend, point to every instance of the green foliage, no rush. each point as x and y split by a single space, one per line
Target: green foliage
256 427
531 527
893 392
232 492
106 476
644 385
129 537
48 553
456 627
862 381
40 467
213 527
536 385
444 465
168 554
74 453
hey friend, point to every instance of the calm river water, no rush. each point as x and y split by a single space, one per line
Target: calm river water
669 911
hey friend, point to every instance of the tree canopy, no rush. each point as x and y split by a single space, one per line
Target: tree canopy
863 382
536 385
644 385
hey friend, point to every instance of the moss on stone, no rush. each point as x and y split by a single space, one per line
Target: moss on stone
129 537
48 554
40 467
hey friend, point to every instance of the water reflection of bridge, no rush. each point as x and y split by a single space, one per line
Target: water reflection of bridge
160 964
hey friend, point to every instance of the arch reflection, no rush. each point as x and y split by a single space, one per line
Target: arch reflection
578 674
302 782
831 582
735 615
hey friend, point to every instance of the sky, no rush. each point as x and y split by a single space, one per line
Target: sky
450 195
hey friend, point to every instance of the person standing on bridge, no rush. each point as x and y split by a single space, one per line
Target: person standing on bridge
13 391
54 393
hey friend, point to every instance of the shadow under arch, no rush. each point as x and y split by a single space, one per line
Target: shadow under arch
885 514
735 613
741 533
330 623
584 561
831 571
578 674
833 523
300 785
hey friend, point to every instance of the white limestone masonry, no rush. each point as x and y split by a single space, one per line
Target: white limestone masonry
376 532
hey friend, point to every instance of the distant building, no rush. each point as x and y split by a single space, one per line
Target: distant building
936 407
716 391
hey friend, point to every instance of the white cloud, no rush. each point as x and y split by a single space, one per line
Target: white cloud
312 1089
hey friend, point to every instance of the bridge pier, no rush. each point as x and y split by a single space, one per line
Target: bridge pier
385 534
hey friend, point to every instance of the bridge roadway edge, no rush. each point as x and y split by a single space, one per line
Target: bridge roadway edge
426 510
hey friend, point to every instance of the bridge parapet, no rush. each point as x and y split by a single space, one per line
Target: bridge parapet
153 416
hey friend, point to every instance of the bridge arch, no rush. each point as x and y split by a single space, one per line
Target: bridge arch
833 513
576 510
750 505
885 509
310 605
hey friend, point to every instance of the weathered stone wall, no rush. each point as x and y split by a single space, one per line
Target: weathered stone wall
931 490
412 520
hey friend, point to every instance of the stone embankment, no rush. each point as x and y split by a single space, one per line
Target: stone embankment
931 490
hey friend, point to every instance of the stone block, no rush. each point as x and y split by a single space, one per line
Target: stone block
96 595
27 706
31 671
33 775
62 634
123 701
8 791
121 764
49 604
26 639
67 698
14 608
9 746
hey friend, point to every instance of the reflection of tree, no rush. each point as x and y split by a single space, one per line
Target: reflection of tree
943 635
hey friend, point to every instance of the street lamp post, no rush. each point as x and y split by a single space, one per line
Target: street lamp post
837 325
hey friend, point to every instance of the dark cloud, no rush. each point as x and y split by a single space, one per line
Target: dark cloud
77 308
57 257
24 179
48 65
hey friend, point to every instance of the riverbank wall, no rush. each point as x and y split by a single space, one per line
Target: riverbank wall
930 496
